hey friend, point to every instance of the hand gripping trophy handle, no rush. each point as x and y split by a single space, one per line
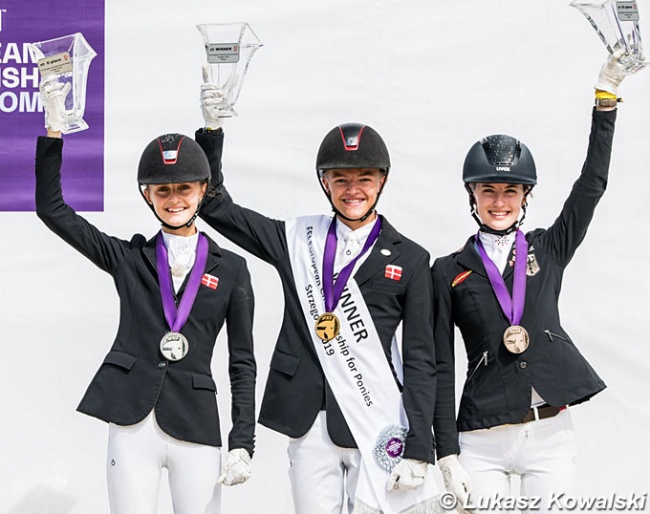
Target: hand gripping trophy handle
67 59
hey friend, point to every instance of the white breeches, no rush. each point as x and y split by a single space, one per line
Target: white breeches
542 453
321 472
137 455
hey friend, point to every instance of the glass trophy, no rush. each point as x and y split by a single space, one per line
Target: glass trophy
617 25
67 58
229 47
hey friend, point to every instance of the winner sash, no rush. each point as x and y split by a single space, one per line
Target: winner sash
358 373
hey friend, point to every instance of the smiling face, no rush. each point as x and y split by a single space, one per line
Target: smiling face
499 205
175 204
353 192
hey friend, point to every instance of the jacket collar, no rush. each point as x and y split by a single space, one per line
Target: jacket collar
469 258
214 254
384 251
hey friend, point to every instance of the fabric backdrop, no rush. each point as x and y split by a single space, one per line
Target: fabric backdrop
432 78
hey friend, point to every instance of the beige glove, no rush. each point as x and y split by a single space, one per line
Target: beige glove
407 474
53 95
457 481
237 467
612 73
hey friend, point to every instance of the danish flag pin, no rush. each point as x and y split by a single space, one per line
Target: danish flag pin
210 281
393 272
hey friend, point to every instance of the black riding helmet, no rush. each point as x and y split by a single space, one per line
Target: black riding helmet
352 146
173 159
503 159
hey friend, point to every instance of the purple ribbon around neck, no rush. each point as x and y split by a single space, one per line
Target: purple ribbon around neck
176 318
333 290
513 307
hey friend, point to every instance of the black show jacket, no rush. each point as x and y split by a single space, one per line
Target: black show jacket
296 388
134 377
498 384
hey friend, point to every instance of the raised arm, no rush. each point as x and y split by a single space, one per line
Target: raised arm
263 237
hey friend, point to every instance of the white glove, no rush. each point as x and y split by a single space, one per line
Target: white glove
457 481
213 102
237 468
53 95
612 73
407 474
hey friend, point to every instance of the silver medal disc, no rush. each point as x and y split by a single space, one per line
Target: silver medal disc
516 339
174 346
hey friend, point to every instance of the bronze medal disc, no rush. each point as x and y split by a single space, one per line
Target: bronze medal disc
516 339
174 346
327 326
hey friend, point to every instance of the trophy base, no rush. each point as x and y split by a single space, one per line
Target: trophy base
231 113
74 126
633 65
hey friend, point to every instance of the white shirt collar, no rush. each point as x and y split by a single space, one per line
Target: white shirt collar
345 233
181 254
349 243
498 247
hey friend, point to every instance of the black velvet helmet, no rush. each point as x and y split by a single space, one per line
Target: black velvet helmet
352 145
499 158
171 159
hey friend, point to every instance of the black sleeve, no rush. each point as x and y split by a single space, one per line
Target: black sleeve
103 250
569 229
242 367
261 236
444 420
419 392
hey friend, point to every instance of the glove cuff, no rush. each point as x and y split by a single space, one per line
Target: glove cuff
607 88
448 461
242 454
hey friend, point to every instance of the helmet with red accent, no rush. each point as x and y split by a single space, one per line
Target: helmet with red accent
352 146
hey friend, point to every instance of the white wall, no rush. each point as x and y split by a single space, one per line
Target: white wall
432 77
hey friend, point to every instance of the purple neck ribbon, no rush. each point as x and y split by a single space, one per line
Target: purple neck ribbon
176 318
512 308
333 290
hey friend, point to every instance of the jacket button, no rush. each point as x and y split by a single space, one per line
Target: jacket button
523 364
162 364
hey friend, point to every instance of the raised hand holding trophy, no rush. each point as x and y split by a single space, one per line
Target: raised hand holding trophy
617 25
63 63
229 47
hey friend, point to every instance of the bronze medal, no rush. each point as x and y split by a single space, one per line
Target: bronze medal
327 326
174 346
515 338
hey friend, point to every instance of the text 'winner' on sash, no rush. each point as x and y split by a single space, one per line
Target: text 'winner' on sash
359 375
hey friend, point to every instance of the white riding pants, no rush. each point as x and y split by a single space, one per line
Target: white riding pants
321 472
137 455
542 453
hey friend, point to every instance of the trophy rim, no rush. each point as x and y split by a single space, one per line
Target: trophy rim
75 36
243 26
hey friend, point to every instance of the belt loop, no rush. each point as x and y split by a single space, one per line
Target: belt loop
536 413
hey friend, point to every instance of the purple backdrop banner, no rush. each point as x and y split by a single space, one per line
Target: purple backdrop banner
21 114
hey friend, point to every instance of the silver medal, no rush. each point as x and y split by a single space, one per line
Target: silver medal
174 346
516 339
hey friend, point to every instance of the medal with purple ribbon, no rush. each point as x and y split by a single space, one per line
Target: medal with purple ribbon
515 338
328 325
174 345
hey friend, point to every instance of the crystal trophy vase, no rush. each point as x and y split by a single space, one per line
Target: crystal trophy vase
67 59
229 47
617 25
